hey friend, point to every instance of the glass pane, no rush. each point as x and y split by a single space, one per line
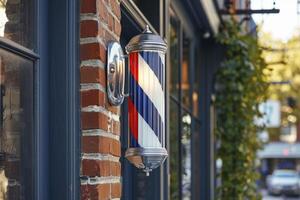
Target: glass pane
174 151
186 120
17 20
195 143
174 59
16 147
185 74
196 85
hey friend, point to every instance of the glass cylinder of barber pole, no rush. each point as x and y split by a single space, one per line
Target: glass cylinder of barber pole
146 101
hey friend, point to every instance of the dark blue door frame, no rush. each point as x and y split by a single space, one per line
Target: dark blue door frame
58 105
42 103
64 110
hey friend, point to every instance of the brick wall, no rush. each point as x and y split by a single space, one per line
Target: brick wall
101 149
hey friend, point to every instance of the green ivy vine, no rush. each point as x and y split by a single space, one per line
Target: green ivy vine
240 87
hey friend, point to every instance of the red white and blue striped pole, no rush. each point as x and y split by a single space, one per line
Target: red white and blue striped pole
146 101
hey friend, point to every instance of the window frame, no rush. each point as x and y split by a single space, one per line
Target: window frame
56 154
184 26
27 54
18 49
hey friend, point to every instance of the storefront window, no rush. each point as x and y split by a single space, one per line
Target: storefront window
16 117
183 117
16 21
174 54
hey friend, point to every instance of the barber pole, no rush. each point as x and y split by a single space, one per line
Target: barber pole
146 101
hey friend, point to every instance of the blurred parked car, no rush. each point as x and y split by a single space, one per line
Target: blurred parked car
284 182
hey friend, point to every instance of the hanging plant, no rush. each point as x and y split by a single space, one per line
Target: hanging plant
240 87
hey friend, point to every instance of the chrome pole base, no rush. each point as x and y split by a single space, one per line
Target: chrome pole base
146 159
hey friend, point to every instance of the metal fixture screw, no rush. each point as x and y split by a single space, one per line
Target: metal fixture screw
112 68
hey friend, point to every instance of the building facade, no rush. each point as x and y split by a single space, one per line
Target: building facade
61 138
192 58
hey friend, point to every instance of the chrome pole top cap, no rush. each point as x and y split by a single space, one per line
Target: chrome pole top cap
146 41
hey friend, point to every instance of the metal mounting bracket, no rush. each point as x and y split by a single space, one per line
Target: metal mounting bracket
115 74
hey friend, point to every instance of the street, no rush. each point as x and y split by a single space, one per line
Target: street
268 197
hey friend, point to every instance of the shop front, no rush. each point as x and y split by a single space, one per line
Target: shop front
61 137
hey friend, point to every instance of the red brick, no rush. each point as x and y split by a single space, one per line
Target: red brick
101 168
93 51
115 148
96 168
104 191
116 128
109 15
102 53
101 31
95 192
115 169
92 97
92 75
88 6
85 193
115 6
99 144
94 120
110 22
117 27
88 28
116 190
103 14
111 108
108 36
96 144
90 51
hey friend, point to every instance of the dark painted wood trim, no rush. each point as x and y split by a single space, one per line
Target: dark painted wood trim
18 49
135 12
41 104
64 99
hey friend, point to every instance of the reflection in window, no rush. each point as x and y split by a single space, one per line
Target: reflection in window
16 105
174 151
174 55
16 21
196 83
195 99
186 121
174 154
185 74
184 90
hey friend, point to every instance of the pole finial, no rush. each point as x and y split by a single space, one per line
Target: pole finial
147 29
